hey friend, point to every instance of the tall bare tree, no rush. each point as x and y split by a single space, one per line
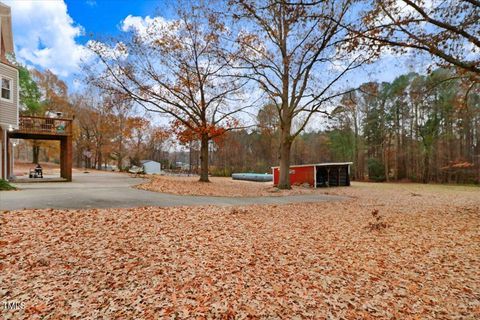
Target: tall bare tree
180 68
295 52
121 109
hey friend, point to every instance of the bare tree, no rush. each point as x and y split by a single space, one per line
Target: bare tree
295 52
121 110
180 68
95 131
448 30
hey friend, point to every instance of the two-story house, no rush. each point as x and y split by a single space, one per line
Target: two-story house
9 95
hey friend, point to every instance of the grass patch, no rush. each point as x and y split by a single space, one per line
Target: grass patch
5 186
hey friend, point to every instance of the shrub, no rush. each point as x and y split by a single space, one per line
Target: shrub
220 172
5 186
376 170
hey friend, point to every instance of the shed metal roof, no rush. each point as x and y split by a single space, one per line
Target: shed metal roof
325 164
146 161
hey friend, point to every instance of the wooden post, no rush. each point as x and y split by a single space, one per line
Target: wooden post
66 158
348 175
338 177
9 155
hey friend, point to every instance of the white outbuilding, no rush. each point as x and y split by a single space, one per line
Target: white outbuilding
151 167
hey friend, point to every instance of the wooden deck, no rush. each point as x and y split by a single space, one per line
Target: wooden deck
44 126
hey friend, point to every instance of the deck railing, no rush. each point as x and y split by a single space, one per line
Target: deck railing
44 125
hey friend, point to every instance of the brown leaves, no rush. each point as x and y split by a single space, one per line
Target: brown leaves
224 187
36 309
187 131
378 223
238 211
287 261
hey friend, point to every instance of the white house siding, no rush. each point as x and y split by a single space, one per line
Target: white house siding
9 110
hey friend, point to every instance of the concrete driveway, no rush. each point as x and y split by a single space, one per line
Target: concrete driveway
114 190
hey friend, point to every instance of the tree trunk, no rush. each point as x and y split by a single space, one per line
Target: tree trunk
386 159
356 157
120 153
35 151
190 157
426 167
204 159
99 161
285 148
284 178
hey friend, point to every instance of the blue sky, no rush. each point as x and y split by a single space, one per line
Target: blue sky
51 34
103 17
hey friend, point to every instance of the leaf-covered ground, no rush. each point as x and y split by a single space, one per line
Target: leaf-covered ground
218 186
302 261
23 168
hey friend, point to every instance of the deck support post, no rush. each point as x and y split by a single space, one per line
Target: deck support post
45 128
9 159
66 158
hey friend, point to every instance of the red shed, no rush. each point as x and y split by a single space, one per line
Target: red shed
318 174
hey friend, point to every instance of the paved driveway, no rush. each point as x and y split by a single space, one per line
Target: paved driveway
114 190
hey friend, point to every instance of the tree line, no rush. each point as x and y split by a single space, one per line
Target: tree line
202 66
422 128
107 130
213 61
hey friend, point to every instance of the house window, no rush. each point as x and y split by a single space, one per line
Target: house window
6 89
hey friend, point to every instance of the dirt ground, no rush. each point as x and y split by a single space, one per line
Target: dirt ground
218 186
394 251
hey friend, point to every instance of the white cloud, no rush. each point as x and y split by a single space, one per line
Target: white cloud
135 23
91 3
142 25
149 28
45 36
